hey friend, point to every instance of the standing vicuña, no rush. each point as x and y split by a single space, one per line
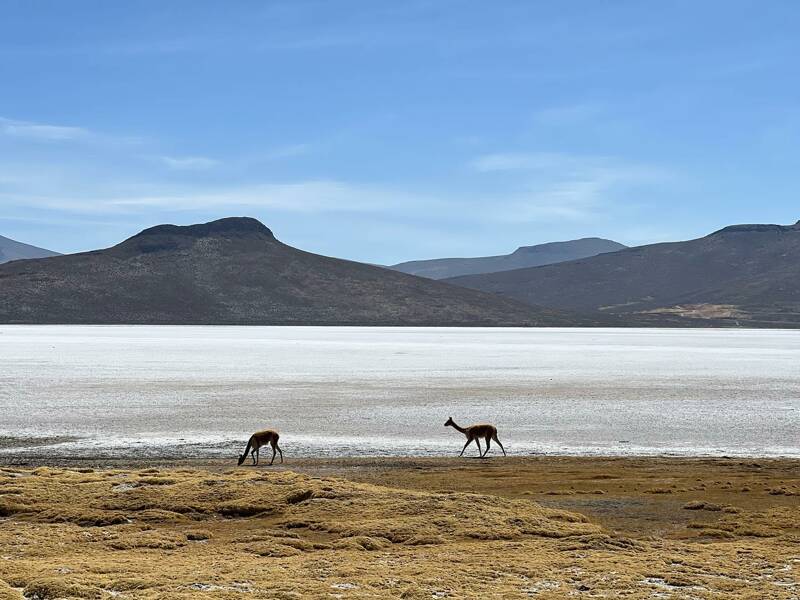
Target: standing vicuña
258 439
475 432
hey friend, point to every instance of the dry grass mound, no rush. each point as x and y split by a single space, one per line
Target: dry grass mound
9 593
275 534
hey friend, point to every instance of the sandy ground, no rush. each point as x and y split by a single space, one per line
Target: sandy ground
543 527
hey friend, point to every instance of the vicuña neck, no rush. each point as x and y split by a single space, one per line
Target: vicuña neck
458 427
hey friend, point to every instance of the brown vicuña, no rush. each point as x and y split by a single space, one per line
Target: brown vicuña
258 439
475 433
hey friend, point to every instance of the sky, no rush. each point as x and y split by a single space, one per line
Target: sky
385 131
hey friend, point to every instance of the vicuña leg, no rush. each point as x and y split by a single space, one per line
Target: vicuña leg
465 447
488 444
494 437
480 450
279 451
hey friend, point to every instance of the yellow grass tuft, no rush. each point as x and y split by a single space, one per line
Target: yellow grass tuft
9 593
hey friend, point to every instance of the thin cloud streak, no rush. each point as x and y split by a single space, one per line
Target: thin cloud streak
41 131
31 131
570 114
188 163
289 151
513 161
556 163
299 197
556 186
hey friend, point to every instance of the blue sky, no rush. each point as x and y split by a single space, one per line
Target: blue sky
389 131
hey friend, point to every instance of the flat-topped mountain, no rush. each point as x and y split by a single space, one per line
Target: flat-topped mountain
14 250
746 275
524 256
235 271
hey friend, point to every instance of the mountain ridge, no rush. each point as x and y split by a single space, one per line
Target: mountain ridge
238 225
738 275
524 256
14 250
234 271
757 228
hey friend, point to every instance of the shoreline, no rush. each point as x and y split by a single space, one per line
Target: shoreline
27 458
57 449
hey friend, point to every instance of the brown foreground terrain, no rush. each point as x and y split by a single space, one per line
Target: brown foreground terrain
539 527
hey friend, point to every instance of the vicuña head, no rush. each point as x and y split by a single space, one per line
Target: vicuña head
258 439
474 433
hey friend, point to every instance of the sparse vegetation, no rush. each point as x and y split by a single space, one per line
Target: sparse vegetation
279 534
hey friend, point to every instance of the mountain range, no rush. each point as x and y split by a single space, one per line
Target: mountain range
14 250
745 275
235 271
524 256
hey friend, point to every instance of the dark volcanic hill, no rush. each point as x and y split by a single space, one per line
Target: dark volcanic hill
524 256
746 275
235 271
14 250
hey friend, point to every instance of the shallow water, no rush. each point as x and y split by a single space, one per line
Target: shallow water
199 391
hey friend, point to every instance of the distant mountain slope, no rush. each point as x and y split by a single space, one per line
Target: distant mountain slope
525 256
14 250
235 271
743 274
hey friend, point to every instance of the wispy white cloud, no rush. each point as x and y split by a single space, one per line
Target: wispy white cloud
512 161
304 197
188 163
557 186
296 197
535 187
503 190
572 165
556 201
568 114
50 133
561 163
288 151
41 131
202 163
